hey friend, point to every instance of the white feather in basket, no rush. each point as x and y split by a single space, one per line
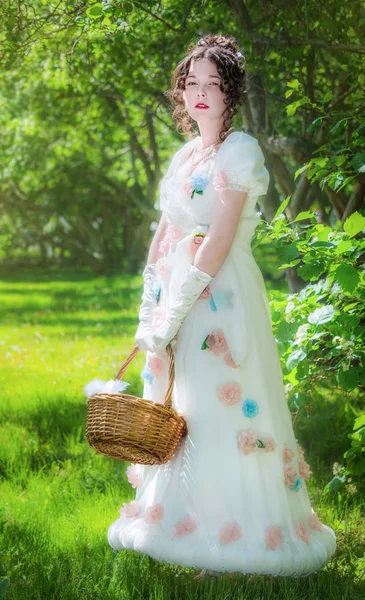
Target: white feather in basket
97 386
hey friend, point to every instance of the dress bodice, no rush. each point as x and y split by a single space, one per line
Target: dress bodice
237 164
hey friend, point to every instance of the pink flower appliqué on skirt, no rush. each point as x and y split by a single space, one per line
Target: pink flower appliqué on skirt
130 510
274 536
269 444
302 532
132 477
288 454
154 514
229 360
247 441
290 475
304 469
185 526
156 364
314 522
230 532
230 393
216 342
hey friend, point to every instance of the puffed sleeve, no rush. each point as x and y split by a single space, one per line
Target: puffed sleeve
240 165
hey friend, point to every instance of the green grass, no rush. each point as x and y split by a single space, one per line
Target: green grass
58 496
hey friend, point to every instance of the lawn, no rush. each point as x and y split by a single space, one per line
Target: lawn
59 330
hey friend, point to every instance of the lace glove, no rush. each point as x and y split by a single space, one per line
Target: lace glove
149 302
195 282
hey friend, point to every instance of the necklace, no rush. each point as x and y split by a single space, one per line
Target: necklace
200 154
203 153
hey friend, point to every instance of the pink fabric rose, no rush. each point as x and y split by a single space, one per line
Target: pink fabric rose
229 360
230 532
304 469
164 245
216 342
130 510
154 513
158 316
269 444
288 454
163 267
174 233
314 522
185 526
302 532
132 477
230 393
220 180
196 241
187 187
274 536
300 451
290 475
247 441
156 364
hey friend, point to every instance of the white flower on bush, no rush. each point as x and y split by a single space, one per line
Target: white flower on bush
336 289
288 309
287 388
337 468
301 334
347 345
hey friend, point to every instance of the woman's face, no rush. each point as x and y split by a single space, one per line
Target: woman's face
202 86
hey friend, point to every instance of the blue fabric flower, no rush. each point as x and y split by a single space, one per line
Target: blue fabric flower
212 304
157 290
250 408
223 299
297 485
147 374
199 182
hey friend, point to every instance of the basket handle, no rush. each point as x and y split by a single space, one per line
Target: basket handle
170 384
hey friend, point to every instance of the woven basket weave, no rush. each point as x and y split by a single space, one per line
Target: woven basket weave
133 429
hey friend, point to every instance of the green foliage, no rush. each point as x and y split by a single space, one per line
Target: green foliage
342 156
87 131
320 330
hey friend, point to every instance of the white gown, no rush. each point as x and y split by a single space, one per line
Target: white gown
233 497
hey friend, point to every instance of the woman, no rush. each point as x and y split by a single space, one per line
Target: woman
233 497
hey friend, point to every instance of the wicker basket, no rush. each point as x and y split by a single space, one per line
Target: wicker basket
133 429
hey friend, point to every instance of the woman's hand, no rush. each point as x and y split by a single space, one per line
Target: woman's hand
195 282
149 302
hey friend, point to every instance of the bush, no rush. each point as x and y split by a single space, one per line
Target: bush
320 330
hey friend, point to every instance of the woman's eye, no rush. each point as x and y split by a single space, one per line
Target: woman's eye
211 83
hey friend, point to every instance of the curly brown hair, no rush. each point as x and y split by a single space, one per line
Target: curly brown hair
230 63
